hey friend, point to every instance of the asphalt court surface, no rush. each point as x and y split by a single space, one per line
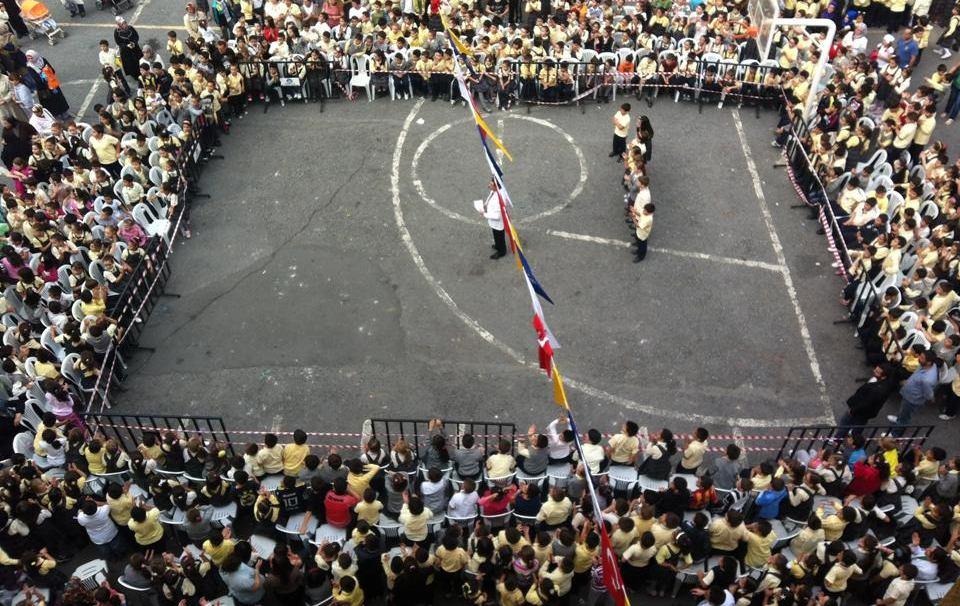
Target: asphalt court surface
331 296
320 288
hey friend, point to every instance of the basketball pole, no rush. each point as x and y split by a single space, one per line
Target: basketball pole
831 28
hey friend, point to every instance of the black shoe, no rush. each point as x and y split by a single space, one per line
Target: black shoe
611 154
637 259
497 255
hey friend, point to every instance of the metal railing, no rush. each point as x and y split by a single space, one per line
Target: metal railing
145 286
415 433
128 430
601 76
816 436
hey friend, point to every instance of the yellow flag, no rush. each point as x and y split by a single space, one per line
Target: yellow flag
559 395
454 39
486 129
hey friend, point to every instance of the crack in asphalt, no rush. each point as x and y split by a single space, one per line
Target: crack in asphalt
266 260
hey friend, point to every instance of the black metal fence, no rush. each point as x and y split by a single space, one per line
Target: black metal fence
416 434
128 430
137 300
816 436
701 79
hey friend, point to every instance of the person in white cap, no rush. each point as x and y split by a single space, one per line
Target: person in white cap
128 40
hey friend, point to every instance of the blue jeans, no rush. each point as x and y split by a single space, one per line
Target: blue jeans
116 549
953 103
907 410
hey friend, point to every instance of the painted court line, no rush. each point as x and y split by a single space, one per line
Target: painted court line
669 251
782 260
515 355
112 25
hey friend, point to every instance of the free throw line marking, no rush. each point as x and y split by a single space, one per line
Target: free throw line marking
669 251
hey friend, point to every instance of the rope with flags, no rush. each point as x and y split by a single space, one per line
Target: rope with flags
547 343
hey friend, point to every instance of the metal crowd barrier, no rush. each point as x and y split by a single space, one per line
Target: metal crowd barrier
136 301
415 433
817 436
128 430
588 77
813 193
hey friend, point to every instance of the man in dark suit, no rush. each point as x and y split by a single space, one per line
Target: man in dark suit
867 402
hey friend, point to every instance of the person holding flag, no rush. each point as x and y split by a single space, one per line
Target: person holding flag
490 209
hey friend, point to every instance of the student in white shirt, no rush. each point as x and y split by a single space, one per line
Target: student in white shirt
464 503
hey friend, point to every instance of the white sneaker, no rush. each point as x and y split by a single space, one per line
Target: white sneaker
892 418
944 417
720 105
676 97
946 54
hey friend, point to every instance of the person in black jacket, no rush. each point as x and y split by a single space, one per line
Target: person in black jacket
867 401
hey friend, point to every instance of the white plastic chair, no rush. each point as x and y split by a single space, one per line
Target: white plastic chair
329 534
23 444
497 521
292 527
263 545
91 574
360 74
876 159
152 225
624 477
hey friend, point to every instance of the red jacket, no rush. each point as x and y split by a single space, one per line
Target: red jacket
339 508
866 480
490 506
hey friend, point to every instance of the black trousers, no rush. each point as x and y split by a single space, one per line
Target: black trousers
619 145
499 241
641 247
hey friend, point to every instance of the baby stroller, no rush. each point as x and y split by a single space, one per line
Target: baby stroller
40 22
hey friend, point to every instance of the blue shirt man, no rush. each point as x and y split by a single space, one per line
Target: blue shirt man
907 50
916 391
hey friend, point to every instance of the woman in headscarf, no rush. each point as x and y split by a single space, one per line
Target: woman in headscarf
128 40
9 108
53 98
41 120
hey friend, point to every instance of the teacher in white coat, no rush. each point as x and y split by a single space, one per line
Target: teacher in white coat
490 209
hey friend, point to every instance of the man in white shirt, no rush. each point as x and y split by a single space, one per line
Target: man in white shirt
490 209
464 503
561 441
101 529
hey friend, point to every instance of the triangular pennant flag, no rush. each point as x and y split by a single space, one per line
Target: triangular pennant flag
533 279
454 39
544 349
559 395
545 355
489 133
494 167
538 311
